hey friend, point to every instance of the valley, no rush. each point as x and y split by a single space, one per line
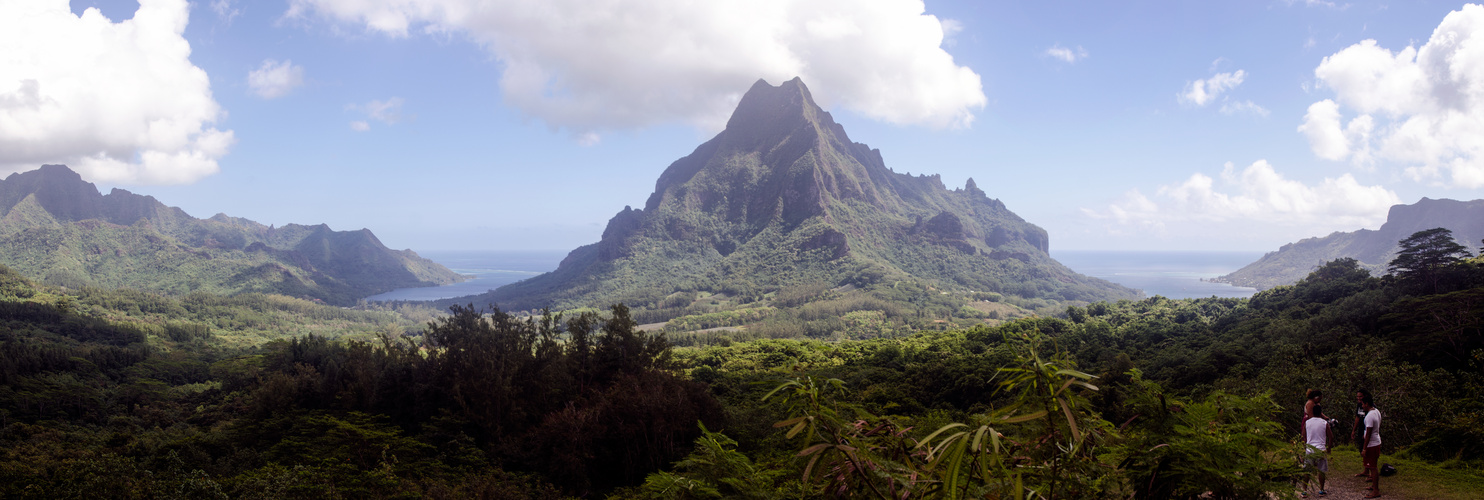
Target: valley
785 317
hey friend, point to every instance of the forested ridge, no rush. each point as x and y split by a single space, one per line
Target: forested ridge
259 396
57 228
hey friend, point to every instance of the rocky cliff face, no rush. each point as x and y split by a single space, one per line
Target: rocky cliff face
783 196
58 225
1373 248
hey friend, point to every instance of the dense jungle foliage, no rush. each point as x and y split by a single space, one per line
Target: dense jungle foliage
268 397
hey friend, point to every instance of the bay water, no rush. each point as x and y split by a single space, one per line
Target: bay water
1176 275
491 269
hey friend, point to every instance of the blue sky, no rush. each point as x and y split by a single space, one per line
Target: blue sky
465 124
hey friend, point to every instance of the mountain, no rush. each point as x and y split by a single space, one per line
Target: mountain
783 197
57 227
1373 248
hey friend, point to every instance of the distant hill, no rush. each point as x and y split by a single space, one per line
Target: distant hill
782 197
56 227
1373 248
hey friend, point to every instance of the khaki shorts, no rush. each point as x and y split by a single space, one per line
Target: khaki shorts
1317 462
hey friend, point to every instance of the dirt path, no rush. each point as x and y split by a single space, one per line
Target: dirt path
1343 485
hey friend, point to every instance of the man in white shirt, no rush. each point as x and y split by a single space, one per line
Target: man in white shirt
1317 436
1370 453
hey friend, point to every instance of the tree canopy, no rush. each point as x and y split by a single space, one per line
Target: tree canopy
1424 253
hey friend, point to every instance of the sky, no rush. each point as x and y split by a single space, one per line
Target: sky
527 124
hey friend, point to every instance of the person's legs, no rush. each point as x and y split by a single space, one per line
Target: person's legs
1371 458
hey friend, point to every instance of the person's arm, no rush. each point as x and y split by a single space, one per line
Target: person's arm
1304 431
1329 437
1369 431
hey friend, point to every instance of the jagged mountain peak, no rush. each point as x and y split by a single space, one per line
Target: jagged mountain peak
766 110
780 157
782 196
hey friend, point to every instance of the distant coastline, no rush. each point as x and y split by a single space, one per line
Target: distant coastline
1174 275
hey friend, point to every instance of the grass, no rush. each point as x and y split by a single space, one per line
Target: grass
1414 478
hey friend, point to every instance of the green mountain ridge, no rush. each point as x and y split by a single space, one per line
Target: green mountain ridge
782 197
1373 248
58 228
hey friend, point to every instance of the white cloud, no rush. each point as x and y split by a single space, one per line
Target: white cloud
226 10
951 29
275 79
594 66
388 112
1257 194
1322 126
1420 107
119 102
1065 54
1202 92
1243 107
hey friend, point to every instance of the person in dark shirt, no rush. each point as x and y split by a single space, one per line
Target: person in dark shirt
1355 429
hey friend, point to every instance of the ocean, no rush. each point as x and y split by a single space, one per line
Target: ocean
491 269
1177 275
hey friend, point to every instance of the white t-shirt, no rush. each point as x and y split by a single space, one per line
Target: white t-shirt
1317 433
1373 422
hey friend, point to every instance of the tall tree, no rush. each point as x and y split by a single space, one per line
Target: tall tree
1425 254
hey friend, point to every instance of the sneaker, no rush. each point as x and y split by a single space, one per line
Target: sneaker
1303 494
1323 493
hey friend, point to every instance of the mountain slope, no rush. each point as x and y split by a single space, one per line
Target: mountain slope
783 197
56 227
1373 248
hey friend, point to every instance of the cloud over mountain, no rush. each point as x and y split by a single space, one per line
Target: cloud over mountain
1419 107
1257 194
595 66
121 101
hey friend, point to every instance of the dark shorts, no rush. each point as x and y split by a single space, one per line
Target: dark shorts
1369 457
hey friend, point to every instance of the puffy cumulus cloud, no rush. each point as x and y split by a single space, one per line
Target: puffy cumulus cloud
1202 92
275 79
1422 108
592 66
1258 194
120 102
1067 55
